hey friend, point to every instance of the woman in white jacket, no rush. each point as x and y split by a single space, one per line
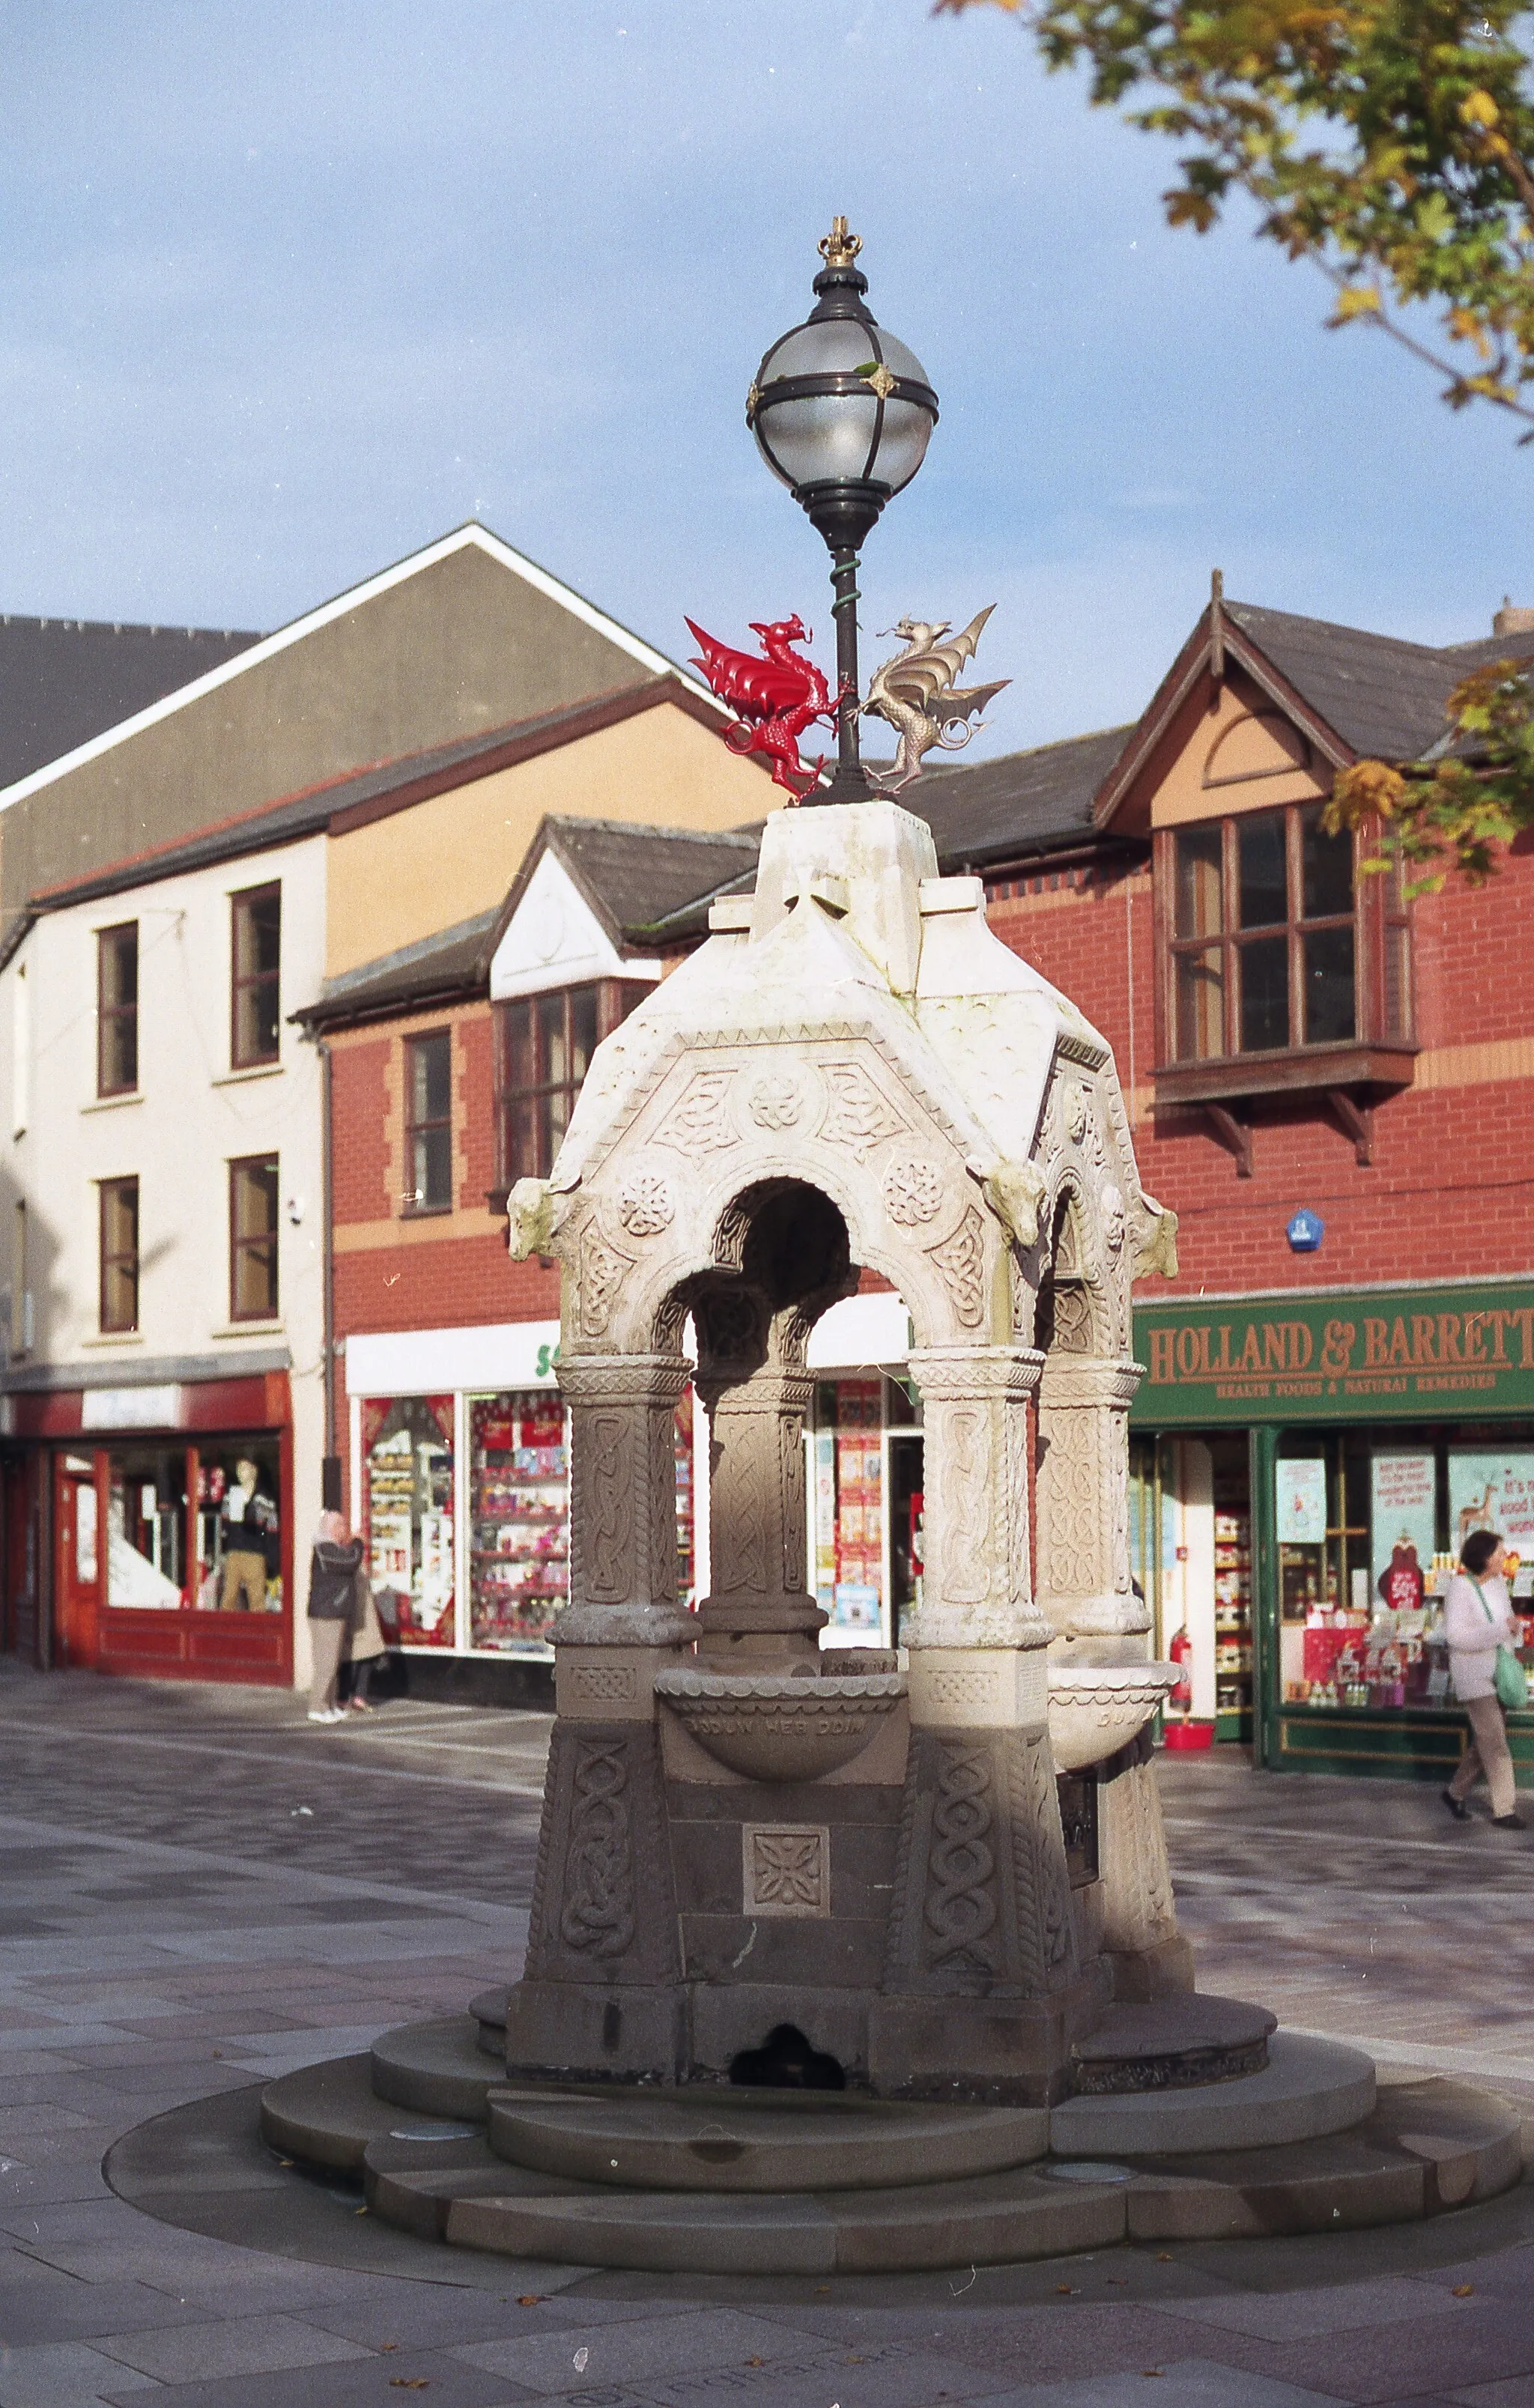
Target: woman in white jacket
1477 1620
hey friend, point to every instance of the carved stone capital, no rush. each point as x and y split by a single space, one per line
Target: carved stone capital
664 1625
622 1379
1083 1380
951 1373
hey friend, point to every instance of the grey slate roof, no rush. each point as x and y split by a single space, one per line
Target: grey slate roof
1383 695
453 962
1038 801
637 877
64 680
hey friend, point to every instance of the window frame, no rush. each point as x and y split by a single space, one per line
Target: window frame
240 1244
110 1260
110 1016
615 999
243 901
1374 1054
412 1207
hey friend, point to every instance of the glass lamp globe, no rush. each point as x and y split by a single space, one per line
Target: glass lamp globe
841 409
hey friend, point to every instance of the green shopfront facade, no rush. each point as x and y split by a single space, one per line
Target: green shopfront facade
1306 1465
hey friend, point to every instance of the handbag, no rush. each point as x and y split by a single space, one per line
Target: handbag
1509 1679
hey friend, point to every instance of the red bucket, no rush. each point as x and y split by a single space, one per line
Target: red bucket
1188 1736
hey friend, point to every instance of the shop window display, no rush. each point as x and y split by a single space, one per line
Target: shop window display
408 1505
1362 1596
239 1534
866 1479
146 1528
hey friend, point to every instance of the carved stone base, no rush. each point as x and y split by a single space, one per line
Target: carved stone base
1000 2052
583 2033
1162 1971
603 1913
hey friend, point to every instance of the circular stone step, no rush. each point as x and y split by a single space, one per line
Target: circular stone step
437 2069
1173 2043
1308 2087
772 2141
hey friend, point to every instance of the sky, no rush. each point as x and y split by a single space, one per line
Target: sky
287 291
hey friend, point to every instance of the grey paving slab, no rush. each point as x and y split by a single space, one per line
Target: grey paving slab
430 2315
1349 2307
1185 2383
637 2350
64 2375
43 2305
259 2345
1516 2392
361 2382
1384 2363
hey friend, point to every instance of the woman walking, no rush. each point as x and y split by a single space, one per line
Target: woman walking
1477 1620
333 1573
366 1642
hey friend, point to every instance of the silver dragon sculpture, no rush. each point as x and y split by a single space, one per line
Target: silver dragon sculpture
914 691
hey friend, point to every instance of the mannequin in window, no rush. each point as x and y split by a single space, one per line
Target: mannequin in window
251 1545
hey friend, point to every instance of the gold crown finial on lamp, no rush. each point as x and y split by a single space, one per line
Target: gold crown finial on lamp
839 249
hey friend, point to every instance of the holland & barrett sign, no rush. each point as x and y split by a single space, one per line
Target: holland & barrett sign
1435 1353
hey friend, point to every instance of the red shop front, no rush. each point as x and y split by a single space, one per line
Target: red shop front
172 1528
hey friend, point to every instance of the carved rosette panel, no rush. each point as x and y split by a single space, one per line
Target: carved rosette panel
961 1259
647 1201
781 1100
785 1869
914 1190
860 1117
698 1122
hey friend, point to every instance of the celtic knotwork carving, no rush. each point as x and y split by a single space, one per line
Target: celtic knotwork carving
1019 1554
1041 1873
608 1496
790 1491
1075 1502
913 1190
961 1259
1112 1219
602 1269
964 1481
729 1326
598 1913
861 1117
647 1203
776 1102
1073 1332
961 1906
698 1122
730 1236
1074 1105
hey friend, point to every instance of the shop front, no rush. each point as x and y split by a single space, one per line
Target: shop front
1307 1468
169 1513
460 1469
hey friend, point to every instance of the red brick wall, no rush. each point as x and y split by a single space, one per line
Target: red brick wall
1449 1194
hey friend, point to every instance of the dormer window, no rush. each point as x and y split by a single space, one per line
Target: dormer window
1284 967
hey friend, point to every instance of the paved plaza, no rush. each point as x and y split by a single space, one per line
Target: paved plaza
198 1890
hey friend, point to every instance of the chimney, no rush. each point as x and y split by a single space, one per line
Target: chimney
1512 619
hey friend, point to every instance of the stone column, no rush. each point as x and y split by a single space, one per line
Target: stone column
758 1615
982 1992
1084 1507
1149 1956
602 1993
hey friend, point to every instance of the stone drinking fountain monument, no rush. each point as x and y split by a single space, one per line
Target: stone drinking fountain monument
838 1958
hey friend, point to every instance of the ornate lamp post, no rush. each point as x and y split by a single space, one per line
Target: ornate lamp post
841 413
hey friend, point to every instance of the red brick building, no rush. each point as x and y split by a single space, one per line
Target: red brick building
1333 1087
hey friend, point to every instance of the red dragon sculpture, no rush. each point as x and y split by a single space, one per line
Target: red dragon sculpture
777 697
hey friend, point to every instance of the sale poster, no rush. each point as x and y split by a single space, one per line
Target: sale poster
1302 1502
1403 1507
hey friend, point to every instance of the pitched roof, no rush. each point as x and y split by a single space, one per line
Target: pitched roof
1383 695
438 970
63 682
635 878
253 652
1038 801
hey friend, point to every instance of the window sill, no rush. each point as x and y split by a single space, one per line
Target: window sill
256 1070
114 1337
1232 1078
111 1103
425 1211
250 1329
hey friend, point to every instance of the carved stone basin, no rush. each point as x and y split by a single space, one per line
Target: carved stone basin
778 1726
1097 1708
